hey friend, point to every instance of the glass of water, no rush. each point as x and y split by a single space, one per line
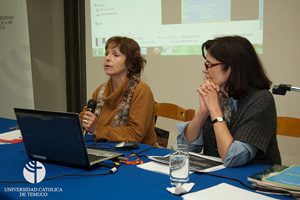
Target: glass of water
179 165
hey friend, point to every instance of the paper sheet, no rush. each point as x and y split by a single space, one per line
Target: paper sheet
207 167
11 136
225 191
156 167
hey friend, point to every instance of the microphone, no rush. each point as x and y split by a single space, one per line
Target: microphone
91 106
282 88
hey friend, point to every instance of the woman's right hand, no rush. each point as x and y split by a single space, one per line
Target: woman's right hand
210 95
89 120
203 90
202 108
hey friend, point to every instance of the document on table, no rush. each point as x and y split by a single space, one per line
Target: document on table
198 162
225 191
11 137
161 164
155 167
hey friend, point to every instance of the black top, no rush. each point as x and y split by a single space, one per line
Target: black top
255 123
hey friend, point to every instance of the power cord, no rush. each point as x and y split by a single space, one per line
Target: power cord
98 146
117 165
114 169
111 171
144 151
225 177
55 177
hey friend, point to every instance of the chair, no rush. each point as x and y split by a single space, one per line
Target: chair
288 126
170 111
173 111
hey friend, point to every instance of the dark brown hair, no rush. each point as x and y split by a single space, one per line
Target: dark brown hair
246 69
129 47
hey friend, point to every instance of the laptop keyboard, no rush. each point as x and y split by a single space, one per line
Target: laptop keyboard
93 157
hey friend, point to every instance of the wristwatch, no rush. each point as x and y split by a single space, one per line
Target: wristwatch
218 119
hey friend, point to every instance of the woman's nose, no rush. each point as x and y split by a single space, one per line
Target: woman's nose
107 57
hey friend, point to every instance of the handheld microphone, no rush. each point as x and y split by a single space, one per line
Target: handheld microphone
91 106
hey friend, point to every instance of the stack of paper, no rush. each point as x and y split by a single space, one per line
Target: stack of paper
278 180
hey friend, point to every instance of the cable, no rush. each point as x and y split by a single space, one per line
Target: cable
115 168
111 171
252 188
97 146
145 150
122 159
64 175
13 181
54 177
219 176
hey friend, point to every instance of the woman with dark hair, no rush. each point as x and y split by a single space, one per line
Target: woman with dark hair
125 106
237 115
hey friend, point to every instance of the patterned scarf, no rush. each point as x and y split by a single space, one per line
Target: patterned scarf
224 103
124 107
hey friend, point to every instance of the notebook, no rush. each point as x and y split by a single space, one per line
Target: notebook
57 137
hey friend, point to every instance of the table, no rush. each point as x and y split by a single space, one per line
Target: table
129 182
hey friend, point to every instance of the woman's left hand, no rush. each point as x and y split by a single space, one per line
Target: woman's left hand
89 122
211 95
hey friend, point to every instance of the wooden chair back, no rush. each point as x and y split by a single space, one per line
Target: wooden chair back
288 126
173 111
170 111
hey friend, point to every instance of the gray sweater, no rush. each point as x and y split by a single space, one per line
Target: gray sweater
254 122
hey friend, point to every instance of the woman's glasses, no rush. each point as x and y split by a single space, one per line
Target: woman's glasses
209 65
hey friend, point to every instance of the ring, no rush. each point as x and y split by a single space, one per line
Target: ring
85 121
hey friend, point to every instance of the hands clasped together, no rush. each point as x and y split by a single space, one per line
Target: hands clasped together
209 97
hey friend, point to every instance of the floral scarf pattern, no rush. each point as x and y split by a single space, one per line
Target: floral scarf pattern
121 117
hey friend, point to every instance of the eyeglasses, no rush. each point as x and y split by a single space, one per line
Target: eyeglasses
209 65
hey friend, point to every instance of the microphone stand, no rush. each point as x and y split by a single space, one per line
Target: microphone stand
282 88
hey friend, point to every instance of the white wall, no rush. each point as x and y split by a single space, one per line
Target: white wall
47 46
15 68
175 79
282 42
35 74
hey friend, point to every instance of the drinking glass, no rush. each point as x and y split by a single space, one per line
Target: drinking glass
179 165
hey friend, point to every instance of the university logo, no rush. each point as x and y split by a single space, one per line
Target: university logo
34 172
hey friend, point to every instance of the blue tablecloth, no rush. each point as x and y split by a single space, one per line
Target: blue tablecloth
129 182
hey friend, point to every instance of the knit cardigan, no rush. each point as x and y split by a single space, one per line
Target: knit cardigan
141 117
255 123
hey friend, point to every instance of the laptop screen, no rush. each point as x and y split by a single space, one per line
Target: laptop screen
52 136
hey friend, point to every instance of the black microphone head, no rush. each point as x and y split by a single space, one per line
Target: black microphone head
91 105
278 90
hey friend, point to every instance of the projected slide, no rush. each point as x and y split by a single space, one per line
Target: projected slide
175 27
